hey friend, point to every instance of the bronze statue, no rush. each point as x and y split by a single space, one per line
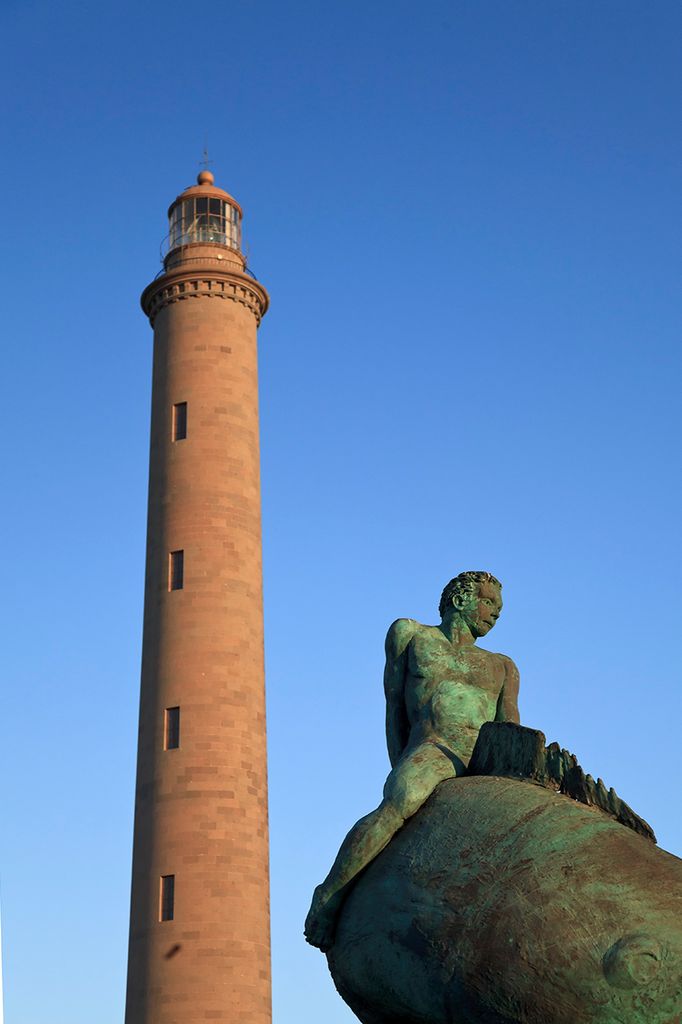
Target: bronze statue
497 883
440 689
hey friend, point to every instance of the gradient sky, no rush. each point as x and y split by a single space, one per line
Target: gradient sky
467 214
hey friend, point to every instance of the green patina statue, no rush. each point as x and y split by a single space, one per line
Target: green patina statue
497 882
440 689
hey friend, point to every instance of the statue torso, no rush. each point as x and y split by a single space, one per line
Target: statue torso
450 691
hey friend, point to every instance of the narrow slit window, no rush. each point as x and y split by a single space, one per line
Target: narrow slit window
171 729
176 570
179 425
167 898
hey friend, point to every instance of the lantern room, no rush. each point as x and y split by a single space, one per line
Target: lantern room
204 215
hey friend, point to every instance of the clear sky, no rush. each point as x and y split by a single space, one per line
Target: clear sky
468 217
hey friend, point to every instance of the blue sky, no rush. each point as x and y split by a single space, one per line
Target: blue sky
468 217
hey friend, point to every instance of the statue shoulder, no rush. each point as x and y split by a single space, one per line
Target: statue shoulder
399 635
511 674
509 665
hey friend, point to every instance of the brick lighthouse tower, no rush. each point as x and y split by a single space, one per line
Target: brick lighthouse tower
199 925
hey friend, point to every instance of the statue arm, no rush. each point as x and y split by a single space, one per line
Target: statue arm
508 701
397 725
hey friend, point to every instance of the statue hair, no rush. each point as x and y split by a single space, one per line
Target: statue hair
466 584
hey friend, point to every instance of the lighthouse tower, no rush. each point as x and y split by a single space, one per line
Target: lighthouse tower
199 923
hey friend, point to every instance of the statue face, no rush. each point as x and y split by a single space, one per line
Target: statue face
481 611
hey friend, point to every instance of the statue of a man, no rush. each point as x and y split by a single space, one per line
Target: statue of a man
440 689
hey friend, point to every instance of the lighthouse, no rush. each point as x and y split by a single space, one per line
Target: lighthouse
199 948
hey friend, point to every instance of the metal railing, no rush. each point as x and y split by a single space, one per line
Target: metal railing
196 238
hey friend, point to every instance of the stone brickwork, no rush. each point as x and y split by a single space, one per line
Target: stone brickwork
201 809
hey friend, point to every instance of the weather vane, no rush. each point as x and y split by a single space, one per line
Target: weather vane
205 162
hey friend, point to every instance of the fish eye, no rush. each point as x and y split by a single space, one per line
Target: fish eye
633 961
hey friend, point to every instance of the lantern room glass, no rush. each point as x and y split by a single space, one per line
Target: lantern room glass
203 219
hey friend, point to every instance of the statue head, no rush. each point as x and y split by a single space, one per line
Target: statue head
476 597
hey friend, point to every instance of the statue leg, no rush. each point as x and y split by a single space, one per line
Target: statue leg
409 785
